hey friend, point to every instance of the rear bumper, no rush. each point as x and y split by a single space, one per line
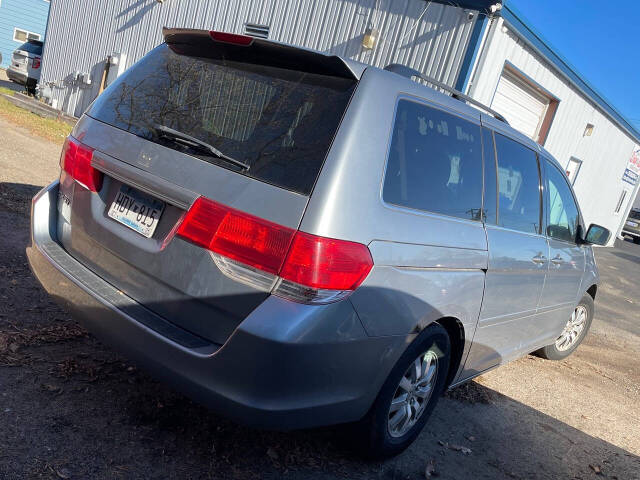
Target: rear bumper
284 367
634 233
17 76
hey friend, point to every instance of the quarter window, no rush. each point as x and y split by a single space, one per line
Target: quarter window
563 212
435 162
518 186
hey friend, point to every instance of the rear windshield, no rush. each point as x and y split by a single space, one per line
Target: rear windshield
278 122
31 47
635 214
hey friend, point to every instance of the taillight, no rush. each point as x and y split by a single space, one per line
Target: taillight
292 264
76 161
233 38
237 235
36 63
326 263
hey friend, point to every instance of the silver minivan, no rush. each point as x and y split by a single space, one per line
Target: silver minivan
297 240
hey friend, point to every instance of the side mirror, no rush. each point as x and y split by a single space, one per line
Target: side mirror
597 235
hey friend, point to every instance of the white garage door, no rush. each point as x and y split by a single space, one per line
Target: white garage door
521 105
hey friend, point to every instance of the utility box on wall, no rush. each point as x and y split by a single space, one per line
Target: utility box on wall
116 65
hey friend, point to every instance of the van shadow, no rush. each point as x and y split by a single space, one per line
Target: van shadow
17 196
96 406
85 391
8 84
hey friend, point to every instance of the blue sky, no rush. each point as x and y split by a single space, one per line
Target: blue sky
600 39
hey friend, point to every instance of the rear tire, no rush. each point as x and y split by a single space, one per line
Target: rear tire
30 86
574 332
382 433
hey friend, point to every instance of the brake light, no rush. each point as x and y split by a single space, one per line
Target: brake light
292 264
326 263
237 235
76 161
233 38
36 63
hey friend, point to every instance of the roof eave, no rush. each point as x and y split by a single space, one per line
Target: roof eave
516 21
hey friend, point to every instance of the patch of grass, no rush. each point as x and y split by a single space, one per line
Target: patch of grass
7 91
47 128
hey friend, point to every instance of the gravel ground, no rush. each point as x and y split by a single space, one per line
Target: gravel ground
72 408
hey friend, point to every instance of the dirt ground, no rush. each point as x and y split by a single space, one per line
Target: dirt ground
70 407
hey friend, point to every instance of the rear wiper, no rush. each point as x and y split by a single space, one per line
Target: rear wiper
188 140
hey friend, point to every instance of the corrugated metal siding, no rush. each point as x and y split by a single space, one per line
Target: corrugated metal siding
29 15
604 154
80 38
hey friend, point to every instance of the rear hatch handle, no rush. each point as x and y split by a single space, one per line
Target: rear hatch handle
183 138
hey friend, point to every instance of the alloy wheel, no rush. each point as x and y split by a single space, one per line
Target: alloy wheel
412 394
572 329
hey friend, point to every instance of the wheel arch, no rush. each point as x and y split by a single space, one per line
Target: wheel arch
455 330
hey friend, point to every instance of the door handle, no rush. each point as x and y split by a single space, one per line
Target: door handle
557 260
539 259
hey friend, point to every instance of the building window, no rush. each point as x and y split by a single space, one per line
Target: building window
20 35
573 168
623 196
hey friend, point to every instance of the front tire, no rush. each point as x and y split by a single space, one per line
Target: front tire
573 333
408 396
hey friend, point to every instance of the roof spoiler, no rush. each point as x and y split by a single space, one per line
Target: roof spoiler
221 45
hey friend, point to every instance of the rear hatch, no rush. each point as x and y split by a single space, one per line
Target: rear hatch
27 58
268 111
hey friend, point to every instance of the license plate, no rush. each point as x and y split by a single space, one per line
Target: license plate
632 224
136 210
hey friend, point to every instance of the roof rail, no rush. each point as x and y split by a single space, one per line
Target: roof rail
458 95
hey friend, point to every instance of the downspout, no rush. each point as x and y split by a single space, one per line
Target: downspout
44 49
473 47
485 47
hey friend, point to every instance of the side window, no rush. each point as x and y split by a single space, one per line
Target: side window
435 162
490 206
563 213
518 186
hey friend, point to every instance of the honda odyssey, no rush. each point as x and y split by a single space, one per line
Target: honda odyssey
295 239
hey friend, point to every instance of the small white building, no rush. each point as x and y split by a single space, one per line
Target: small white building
481 47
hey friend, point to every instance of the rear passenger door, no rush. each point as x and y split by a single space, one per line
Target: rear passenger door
566 257
518 253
